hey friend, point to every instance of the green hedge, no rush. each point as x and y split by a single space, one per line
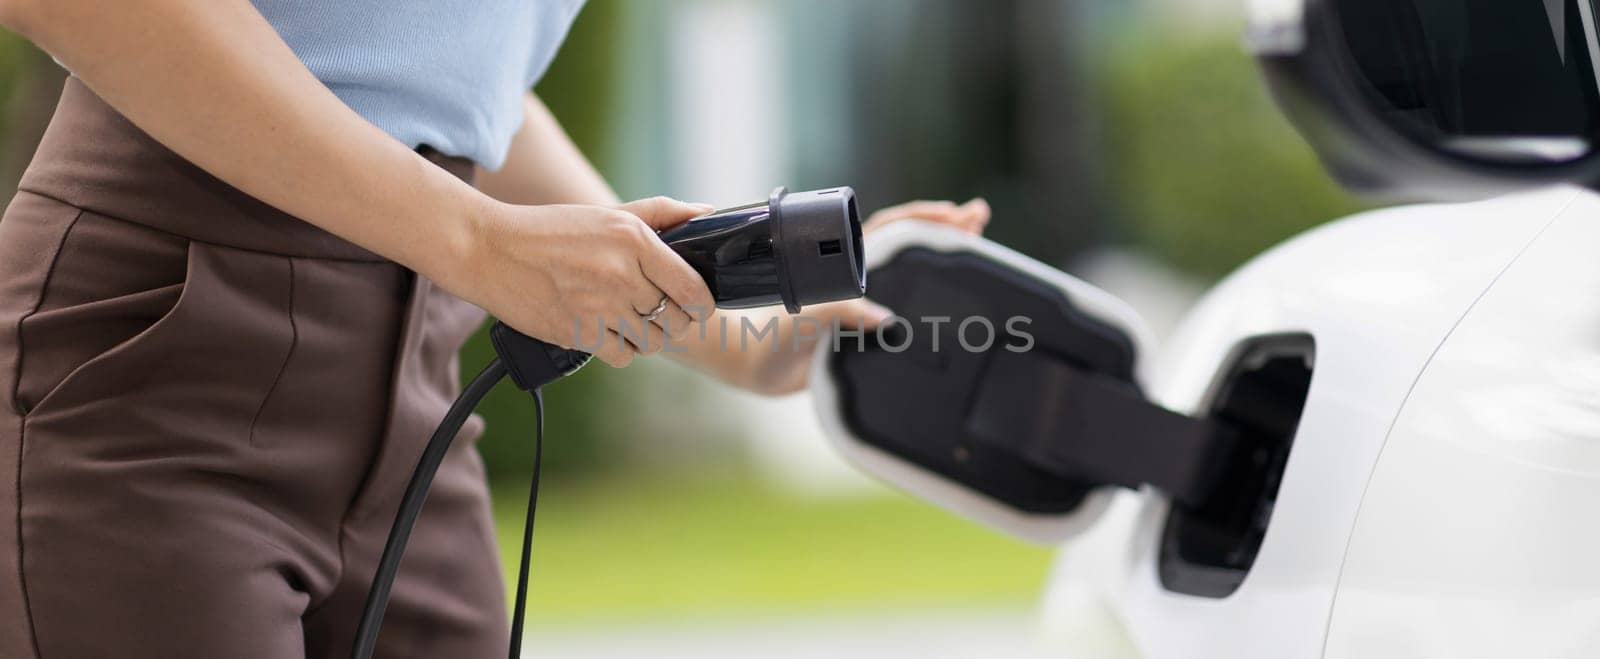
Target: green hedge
1205 171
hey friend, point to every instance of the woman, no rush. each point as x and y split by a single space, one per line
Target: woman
234 282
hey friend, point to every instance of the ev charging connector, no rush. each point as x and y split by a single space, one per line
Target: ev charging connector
796 249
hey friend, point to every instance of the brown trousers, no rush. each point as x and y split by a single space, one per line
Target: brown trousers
208 410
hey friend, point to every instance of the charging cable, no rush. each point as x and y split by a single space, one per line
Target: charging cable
531 364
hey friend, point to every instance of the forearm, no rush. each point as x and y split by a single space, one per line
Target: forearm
725 349
212 81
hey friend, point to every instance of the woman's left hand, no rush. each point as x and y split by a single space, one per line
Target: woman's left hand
785 368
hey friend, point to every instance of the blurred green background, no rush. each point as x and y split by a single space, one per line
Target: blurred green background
1093 127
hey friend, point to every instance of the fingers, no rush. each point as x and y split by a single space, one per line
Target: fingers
655 303
974 215
644 328
626 339
674 278
663 213
970 217
672 319
664 268
675 322
927 210
615 351
599 338
645 337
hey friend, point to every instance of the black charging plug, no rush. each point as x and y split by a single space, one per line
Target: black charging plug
795 249
533 363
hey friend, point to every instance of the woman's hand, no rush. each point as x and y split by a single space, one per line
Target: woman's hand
583 276
970 217
780 363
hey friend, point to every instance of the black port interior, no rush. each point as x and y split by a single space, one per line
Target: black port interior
830 247
1207 550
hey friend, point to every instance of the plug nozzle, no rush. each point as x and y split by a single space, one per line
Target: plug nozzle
817 238
796 249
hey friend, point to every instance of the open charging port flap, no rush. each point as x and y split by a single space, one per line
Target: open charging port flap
1009 392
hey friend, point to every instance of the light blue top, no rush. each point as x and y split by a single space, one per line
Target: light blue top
446 73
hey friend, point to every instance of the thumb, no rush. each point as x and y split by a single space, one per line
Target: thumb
663 213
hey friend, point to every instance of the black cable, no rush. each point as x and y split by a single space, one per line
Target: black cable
531 364
411 506
520 610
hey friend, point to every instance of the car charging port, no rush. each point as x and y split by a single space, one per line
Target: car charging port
1209 548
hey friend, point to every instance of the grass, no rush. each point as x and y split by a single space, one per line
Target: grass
630 550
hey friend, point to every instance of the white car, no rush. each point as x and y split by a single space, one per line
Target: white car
1379 439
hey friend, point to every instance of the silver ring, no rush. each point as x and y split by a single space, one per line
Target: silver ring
650 317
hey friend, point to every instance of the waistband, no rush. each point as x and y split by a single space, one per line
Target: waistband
93 158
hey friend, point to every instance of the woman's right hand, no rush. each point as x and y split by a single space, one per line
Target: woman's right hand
556 273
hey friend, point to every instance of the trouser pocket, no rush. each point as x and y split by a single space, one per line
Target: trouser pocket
131 319
110 286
